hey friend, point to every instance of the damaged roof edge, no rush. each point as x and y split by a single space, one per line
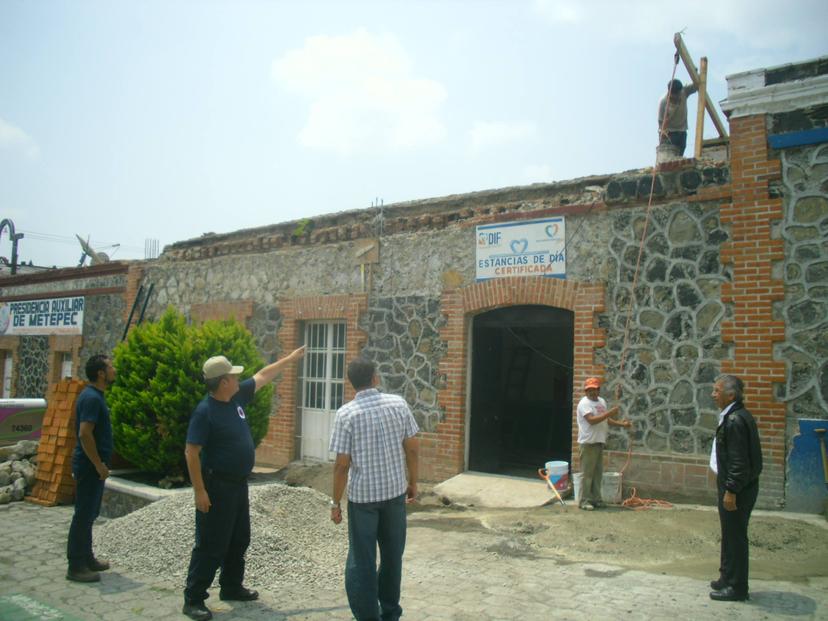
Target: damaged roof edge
411 208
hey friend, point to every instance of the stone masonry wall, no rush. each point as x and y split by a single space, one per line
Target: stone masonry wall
33 367
678 313
404 340
674 346
103 326
805 308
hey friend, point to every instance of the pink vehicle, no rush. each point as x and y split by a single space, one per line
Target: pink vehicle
20 419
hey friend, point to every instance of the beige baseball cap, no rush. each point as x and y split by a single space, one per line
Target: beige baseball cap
218 366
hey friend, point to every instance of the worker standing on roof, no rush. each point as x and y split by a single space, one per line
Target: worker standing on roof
673 106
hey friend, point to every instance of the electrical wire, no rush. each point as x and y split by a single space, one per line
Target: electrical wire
537 351
73 241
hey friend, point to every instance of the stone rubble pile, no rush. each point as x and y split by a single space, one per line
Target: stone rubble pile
292 538
18 464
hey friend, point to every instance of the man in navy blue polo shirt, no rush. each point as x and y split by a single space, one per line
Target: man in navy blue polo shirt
220 456
90 468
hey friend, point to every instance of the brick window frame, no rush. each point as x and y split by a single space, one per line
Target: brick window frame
58 346
280 446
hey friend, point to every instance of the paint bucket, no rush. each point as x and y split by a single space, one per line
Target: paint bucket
610 487
558 473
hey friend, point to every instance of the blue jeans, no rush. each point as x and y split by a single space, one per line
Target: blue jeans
370 524
88 496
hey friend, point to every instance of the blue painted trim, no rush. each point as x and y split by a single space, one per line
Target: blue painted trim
796 139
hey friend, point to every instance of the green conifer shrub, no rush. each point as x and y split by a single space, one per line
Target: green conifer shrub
159 383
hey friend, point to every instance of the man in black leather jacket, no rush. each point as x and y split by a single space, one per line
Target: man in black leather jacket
737 461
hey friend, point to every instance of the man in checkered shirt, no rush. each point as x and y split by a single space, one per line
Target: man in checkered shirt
374 438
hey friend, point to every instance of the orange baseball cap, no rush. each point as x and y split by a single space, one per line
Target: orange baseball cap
592 382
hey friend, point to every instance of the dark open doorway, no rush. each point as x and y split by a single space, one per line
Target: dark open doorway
521 401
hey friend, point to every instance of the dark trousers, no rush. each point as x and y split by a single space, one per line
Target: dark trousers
677 139
88 494
221 538
734 549
371 524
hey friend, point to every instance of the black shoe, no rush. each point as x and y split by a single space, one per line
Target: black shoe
197 611
728 594
718 585
96 565
239 594
83 574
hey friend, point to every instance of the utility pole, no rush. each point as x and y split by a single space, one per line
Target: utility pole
15 237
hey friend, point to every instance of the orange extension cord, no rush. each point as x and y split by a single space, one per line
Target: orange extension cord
634 502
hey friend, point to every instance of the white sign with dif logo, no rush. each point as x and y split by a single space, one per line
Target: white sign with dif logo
48 316
530 248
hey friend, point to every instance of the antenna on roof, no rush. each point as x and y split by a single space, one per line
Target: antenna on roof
97 257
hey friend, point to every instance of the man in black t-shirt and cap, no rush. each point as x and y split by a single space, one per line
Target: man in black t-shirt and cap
220 456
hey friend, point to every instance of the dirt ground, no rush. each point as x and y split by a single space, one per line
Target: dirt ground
683 540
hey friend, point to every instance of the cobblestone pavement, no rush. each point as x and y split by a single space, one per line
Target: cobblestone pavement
448 575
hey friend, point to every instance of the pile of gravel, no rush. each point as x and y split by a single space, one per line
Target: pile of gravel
292 538
18 464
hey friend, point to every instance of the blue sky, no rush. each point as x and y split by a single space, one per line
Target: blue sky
124 121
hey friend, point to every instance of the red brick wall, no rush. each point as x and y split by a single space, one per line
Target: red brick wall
442 452
754 329
240 311
679 476
279 446
135 275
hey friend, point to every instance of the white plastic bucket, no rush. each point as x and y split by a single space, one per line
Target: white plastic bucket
558 473
610 487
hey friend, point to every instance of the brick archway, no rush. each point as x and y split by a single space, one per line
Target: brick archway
443 450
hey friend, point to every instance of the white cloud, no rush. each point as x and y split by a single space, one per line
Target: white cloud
758 23
538 173
363 94
485 135
15 139
558 11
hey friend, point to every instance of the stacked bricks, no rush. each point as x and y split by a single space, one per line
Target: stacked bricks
279 446
442 452
752 252
53 481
